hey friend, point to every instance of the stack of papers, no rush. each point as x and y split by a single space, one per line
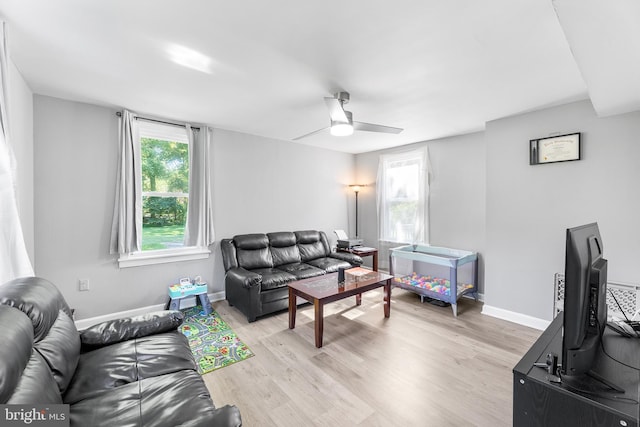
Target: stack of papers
362 249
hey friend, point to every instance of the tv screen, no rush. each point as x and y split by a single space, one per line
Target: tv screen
585 307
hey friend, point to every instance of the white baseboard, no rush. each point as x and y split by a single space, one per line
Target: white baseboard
519 318
85 323
500 313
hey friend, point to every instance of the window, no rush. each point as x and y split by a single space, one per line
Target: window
163 207
402 195
164 152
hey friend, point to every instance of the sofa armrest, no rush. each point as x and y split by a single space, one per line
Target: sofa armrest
228 415
242 277
114 331
352 259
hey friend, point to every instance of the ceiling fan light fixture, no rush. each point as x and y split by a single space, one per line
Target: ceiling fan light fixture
341 129
342 123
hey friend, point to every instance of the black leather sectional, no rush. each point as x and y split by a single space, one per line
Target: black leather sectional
259 266
136 371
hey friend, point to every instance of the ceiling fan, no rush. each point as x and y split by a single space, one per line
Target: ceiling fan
342 123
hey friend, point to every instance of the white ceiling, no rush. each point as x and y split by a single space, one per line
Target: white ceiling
434 68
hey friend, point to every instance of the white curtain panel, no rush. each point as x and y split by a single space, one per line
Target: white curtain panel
14 259
126 229
199 229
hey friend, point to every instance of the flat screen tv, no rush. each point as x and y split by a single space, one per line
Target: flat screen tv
585 307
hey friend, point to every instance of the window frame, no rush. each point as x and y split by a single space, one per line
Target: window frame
421 235
150 128
163 256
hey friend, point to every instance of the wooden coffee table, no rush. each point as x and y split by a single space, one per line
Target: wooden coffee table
324 289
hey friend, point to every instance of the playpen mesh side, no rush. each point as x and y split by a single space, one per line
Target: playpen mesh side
627 295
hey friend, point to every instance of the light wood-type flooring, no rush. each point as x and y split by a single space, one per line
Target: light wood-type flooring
420 367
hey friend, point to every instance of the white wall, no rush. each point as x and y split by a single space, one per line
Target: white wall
457 194
530 207
20 114
260 185
263 185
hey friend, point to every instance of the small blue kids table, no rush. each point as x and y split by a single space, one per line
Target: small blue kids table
179 292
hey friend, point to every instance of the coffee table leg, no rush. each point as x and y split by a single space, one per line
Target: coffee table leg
292 309
319 322
387 298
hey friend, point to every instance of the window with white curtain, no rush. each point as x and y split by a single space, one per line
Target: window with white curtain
163 208
402 197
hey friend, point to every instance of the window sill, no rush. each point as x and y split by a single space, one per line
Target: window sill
164 256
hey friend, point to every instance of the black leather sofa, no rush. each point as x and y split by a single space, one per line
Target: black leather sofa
137 371
259 266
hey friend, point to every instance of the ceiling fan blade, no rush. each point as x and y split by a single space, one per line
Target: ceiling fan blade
370 127
309 134
336 112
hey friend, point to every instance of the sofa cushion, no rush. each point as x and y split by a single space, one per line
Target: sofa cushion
103 369
255 258
252 251
281 239
198 410
114 331
118 364
286 255
36 384
177 399
15 356
60 348
330 265
116 407
273 278
307 236
283 248
163 354
301 270
24 374
311 245
251 241
54 333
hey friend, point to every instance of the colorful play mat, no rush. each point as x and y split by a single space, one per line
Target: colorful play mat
213 343
433 284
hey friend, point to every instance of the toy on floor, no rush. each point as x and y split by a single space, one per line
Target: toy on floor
433 284
186 288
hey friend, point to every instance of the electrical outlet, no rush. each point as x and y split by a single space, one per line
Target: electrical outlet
83 284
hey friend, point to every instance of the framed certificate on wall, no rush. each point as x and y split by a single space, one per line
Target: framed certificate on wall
563 148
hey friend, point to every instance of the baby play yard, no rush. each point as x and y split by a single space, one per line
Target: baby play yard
442 274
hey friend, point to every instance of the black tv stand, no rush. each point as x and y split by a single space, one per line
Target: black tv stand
591 382
578 401
581 383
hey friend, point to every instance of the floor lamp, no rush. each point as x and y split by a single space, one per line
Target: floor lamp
356 188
